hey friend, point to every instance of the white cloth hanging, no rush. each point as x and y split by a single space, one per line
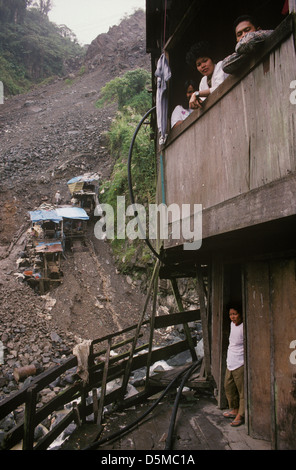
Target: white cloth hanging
163 74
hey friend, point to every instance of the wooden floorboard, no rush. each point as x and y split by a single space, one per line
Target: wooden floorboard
199 425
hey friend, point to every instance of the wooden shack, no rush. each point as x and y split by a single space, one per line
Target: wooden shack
84 190
47 247
237 158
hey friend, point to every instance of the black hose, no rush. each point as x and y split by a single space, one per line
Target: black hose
130 177
169 440
134 423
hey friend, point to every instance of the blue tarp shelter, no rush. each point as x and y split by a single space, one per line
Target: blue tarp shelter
76 184
44 215
76 213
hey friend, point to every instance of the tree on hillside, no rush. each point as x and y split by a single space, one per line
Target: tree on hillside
127 89
13 11
44 6
32 49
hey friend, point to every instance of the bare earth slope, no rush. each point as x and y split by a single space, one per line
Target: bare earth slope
47 136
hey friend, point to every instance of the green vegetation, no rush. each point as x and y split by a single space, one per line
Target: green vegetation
130 92
31 47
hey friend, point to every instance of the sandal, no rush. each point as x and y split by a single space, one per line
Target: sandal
228 414
237 422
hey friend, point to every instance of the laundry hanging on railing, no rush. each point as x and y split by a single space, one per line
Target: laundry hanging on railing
163 74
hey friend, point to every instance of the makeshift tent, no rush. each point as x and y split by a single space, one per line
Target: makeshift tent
76 213
76 184
44 215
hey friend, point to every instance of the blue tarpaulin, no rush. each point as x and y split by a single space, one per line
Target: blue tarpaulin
72 213
84 178
76 184
43 215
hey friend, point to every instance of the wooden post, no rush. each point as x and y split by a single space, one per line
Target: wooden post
95 405
83 403
185 325
104 382
152 324
76 412
204 321
129 362
29 418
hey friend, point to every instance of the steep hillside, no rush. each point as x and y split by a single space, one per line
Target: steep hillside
32 48
122 48
47 136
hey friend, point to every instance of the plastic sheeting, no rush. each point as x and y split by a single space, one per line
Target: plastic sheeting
81 351
43 215
72 213
76 184
163 74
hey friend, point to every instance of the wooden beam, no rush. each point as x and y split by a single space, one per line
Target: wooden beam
29 419
152 327
130 360
245 210
204 321
104 384
185 325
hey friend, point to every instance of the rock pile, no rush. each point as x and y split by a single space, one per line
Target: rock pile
28 338
122 48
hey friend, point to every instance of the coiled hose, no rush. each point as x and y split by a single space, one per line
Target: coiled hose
130 185
169 440
121 432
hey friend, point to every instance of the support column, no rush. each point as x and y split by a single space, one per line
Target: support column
204 322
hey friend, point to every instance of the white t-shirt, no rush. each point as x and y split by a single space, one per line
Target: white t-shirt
179 114
217 78
235 353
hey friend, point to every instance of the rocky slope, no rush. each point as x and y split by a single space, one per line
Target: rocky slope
47 136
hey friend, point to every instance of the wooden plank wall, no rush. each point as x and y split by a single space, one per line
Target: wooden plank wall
283 310
241 143
258 356
271 327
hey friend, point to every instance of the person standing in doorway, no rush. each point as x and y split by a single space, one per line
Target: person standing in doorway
234 377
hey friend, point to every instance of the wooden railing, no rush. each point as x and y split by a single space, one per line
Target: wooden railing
102 368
